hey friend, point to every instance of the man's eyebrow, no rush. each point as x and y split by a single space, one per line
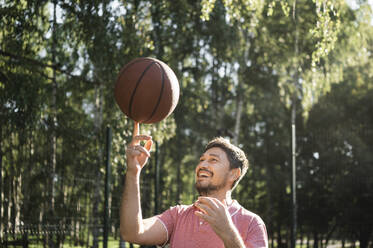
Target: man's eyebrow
211 154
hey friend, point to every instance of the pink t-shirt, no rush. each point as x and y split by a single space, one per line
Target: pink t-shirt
186 230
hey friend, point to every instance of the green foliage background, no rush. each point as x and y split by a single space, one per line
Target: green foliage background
243 66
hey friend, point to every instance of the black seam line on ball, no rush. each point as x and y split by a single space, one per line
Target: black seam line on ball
129 65
121 73
160 94
137 85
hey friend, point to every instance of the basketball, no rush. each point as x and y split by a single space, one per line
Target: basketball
147 90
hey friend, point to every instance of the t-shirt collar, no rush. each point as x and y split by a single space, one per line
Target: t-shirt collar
233 208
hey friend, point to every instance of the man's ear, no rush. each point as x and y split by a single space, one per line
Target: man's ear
235 174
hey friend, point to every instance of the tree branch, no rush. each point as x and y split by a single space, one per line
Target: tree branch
41 64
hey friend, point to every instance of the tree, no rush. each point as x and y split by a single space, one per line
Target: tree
240 64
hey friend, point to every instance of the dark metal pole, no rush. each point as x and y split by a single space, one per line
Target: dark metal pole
293 129
1 188
156 193
294 188
107 186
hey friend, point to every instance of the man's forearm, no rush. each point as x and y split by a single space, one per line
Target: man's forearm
130 210
232 238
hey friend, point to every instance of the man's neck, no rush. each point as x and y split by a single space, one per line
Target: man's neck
224 197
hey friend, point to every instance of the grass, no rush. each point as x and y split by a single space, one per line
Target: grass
114 243
35 243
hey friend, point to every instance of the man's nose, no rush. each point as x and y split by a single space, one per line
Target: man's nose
203 164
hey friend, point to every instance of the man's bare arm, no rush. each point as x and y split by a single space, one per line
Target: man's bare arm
132 226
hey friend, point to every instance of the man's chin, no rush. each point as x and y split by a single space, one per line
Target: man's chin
205 189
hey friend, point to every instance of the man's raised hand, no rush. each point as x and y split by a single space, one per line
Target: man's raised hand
137 155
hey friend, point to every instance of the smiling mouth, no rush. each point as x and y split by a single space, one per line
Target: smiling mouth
204 174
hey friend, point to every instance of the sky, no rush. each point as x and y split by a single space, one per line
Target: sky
353 3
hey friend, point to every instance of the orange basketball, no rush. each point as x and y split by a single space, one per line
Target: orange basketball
147 90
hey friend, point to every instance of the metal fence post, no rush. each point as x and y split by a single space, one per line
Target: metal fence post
107 187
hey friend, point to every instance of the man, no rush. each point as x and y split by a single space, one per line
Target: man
214 220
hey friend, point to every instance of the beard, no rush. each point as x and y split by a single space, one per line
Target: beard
208 189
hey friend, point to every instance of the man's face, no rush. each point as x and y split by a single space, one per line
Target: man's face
212 172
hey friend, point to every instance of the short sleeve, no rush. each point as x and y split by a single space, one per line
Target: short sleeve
168 219
257 234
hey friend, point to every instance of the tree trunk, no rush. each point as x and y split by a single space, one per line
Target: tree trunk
179 182
11 189
53 138
308 241
1 191
272 242
122 243
329 234
17 201
239 106
157 20
279 236
293 130
365 233
53 159
315 240
216 104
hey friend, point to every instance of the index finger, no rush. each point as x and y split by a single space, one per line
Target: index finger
136 132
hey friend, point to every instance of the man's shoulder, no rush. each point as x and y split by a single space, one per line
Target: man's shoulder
177 212
244 213
181 208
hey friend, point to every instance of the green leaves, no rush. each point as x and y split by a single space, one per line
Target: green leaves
327 28
207 7
284 6
239 64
